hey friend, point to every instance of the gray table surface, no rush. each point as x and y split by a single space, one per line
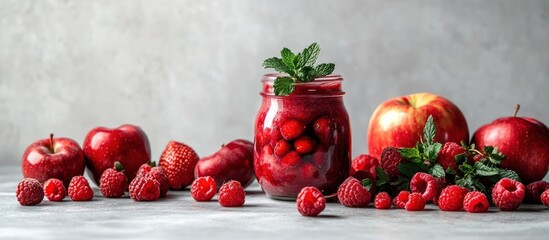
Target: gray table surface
179 216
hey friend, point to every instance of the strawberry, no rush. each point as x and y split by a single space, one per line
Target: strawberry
178 161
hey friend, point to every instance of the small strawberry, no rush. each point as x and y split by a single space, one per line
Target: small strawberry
281 148
292 129
304 145
322 127
178 161
291 159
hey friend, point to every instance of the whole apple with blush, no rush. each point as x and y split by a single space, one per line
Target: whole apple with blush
523 140
234 161
127 144
399 122
60 158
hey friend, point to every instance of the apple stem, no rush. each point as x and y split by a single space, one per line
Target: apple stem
516 110
51 143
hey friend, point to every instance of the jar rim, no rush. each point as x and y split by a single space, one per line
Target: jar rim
327 86
270 77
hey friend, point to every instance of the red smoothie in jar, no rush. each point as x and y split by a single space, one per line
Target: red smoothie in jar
302 139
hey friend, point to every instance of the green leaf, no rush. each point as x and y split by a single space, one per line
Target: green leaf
309 56
324 69
409 153
367 183
306 74
381 176
466 182
488 150
466 168
451 171
506 173
409 168
431 152
288 58
460 159
437 171
429 131
283 86
483 170
477 185
277 64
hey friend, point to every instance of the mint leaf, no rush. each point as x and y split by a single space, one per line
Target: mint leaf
309 56
409 153
367 183
409 168
437 171
460 159
466 168
483 170
429 131
277 64
306 74
288 58
431 151
506 173
381 176
283 86
324 69
451 171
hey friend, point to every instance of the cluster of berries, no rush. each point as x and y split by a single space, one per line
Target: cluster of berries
31 192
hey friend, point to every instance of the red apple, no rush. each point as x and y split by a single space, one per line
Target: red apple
60 158
524 141
399 122
126 144
234 161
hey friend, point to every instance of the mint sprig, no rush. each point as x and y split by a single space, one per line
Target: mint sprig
300 68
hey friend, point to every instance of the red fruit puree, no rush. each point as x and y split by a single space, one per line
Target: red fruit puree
302 139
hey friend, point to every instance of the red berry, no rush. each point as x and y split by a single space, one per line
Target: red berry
545 198
442 184
364 166
304 145
203 188
534 190
447 155
113 183
309 171
451 198
415 202
351 193
158 174
178 161
291 158
292 129
310 202
231 194
390 159
29 192
425 184
54 189
143 170
281 148
475 202
79 189
400 200
507 194
144 189
323 129
382 201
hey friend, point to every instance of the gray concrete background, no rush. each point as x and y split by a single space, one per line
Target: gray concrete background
190 70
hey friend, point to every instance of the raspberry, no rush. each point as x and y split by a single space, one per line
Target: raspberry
54 189
144 189
323 130
29 192
390 158
425 184
442 183
507 194
451 198
352 194
79 189
203 188
364 166
545 198
400 200
292 129
475 202
281 148
291 158
113 183
231 194
447 155
143 170
382 201
158 174
415 202
304 145
310 202
534 190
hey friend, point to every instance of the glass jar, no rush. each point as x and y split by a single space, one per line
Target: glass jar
302 139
